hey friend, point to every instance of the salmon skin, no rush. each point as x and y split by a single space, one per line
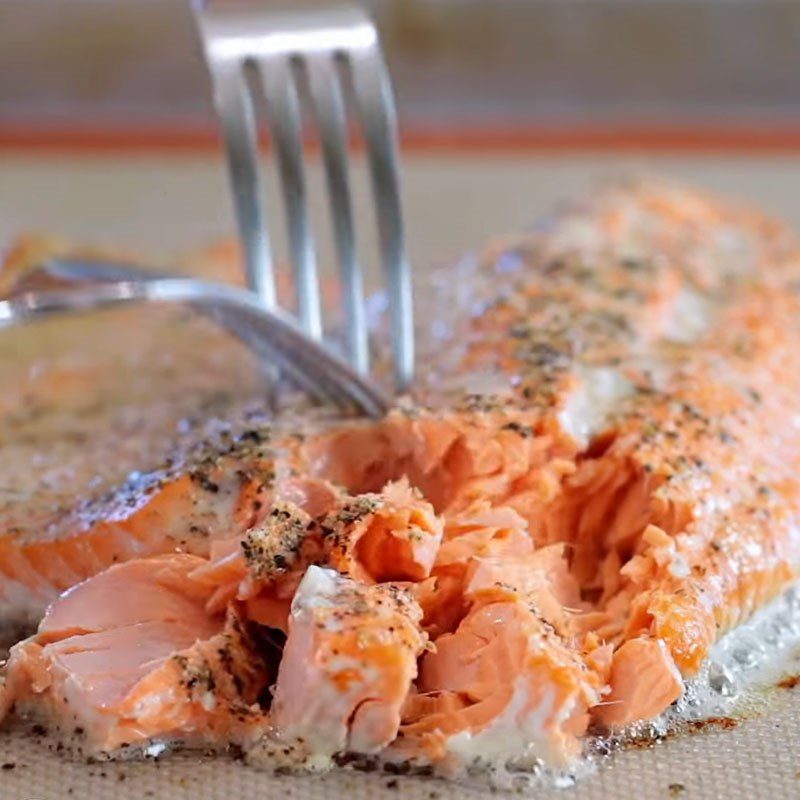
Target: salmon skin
596 478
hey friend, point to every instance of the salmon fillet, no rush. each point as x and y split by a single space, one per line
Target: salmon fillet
596 478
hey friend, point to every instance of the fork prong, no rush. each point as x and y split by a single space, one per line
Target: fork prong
280 44
328 102
235 108
284 118
375 103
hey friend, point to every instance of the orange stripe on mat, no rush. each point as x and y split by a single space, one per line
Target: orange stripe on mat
470 139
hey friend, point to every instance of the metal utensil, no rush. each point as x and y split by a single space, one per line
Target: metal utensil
274 336
319 46
332 53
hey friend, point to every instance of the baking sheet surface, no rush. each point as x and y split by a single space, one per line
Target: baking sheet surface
758 760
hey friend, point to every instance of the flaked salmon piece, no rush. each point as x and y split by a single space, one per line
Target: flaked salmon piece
541 577
488 547
502 686
393 535
376 537
455 458
644 681
357 646
212 693
263 568
508 682
480 532
281 540
132 654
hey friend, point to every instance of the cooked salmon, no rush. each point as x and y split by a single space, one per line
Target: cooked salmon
133 655
357 645
595 479
502 687
375 537
212 491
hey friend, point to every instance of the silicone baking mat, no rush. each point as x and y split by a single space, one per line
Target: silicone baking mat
759 759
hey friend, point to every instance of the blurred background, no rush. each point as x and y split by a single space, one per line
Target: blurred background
462 67
106 128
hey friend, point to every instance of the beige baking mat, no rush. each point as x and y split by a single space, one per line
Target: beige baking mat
758 760
453 205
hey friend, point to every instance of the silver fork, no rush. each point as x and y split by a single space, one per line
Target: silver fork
275 43
67 286
331 51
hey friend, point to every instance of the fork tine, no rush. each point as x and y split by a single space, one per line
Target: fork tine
235 108
283 113
376 108
282 44
329 108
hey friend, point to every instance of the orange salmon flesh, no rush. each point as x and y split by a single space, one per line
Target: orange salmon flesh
596 476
